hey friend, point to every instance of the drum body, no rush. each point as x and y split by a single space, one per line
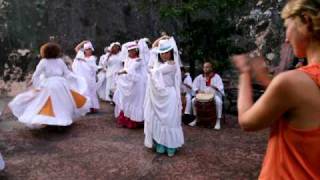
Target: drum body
206 110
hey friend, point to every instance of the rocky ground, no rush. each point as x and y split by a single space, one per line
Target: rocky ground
94 148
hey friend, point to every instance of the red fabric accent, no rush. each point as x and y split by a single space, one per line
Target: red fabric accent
124 121
208 80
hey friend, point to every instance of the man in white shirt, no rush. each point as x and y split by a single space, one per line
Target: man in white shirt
209 82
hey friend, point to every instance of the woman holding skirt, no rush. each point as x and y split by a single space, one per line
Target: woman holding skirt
84 65
56 94
162 109
130 93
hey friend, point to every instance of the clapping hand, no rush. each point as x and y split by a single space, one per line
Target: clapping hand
255 66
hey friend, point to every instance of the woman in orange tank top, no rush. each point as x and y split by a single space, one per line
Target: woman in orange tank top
290 105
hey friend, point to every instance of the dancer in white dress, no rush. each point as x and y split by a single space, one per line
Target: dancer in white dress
56 96
84 65
130 92
162 111
114 64
102 75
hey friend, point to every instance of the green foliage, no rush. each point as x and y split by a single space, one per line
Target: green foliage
205 33
24 25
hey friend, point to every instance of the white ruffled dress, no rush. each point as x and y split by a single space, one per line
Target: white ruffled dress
162 109
86 68
114 64
56 97
130 93
102 78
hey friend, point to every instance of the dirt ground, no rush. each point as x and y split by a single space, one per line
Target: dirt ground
94 148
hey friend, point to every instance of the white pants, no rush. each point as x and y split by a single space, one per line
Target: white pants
218 101
187 109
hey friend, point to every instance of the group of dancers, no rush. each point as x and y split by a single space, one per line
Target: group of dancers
149 86
146 83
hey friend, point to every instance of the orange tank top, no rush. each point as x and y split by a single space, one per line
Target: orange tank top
293 153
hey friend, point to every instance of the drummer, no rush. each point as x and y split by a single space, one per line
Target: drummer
209 83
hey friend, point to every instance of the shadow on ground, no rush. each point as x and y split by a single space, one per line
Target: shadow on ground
94 148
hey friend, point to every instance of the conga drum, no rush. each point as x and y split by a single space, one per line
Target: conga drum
183 101
206 110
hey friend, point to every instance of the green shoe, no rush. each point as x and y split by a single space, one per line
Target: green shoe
160 149
171 151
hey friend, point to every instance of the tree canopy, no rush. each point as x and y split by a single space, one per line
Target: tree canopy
205 31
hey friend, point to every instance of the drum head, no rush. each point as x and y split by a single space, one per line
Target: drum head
201 97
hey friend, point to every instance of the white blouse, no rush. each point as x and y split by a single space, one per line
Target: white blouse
168 71
114 64
199 84
50 68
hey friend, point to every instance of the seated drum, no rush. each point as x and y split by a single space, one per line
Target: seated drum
206 111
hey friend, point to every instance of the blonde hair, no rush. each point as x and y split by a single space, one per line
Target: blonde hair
297 8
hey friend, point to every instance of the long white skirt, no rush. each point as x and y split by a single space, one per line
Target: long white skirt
53 103
129 98
2 164
163 118
92 93
102 86
110 86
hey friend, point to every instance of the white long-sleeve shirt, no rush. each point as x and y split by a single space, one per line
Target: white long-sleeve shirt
199 84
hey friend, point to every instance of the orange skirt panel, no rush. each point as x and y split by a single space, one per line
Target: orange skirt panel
47 109
78 99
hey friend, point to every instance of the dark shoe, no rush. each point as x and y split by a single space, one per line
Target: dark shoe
93 110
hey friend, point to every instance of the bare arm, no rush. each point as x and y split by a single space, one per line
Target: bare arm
79 46
156 42
245 100
271 105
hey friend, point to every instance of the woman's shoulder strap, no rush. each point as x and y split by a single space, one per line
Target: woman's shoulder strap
313 71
